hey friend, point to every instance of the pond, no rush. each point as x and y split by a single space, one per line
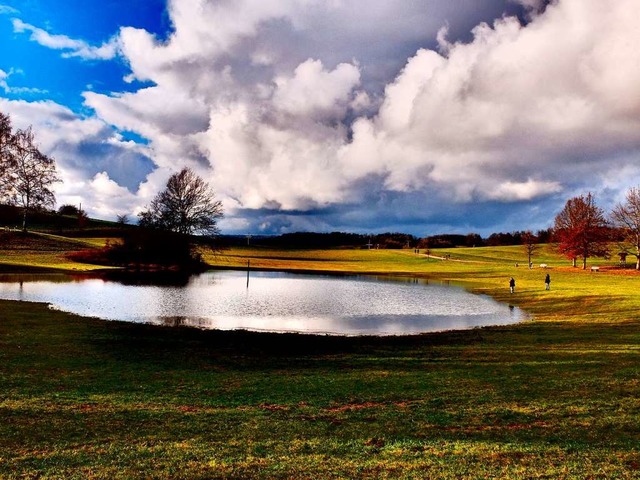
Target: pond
270 301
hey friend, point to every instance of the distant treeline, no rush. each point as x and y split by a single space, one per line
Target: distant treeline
308 240
72 223
475 240
323 240
75 223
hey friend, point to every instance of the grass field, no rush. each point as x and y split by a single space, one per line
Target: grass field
41 251
554 397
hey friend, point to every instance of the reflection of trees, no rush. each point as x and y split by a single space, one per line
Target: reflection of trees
160 278
35 277
180 321
174 321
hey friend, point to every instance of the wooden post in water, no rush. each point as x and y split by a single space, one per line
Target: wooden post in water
248 267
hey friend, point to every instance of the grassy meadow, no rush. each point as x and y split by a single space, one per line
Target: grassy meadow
557 396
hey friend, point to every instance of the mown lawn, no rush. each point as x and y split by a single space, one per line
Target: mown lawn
555 397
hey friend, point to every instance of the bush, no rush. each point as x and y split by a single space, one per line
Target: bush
145 249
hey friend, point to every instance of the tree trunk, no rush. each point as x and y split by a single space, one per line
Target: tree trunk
574 263
584 263
26 202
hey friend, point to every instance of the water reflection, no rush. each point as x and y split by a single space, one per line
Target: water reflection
274 301
164 278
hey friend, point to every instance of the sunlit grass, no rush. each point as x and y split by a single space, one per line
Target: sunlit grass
553 397
575 293
44 251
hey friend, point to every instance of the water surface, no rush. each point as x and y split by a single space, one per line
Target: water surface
270 301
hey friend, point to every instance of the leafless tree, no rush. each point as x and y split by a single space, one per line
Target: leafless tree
6 139
5 131
530 244
187 206
27 175
626 216
582 230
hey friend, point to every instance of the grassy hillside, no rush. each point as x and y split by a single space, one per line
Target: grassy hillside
553 397
42 251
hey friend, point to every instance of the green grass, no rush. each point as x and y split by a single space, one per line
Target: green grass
554 397
41 251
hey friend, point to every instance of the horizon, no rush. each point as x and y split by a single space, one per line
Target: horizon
365 117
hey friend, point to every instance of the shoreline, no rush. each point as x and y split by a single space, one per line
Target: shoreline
556 396
526 316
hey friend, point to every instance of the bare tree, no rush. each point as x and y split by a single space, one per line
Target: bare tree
530 244
5 132
27 175
626 216
187 205
582 230
6 140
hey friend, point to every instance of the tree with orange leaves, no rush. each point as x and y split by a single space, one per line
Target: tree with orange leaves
581 230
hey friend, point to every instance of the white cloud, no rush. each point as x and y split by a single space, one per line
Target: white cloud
7 10
528 190
278 102
4 84
315 92
481 121
152 111
515 103
82 147
72 47
3 80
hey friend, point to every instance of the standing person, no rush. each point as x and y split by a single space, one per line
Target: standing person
512 285
547 282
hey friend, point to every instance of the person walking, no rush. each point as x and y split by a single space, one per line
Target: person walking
512 285
547 282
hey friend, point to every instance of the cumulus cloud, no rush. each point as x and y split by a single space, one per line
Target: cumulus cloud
314 92
84 150
350 110
514 114
551 101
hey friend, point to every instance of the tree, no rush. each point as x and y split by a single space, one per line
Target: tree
6 140
69 210
582 230
530 244
545 236
27 175
186 206
626 216
5 134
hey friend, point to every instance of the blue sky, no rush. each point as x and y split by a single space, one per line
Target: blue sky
64 79
424 117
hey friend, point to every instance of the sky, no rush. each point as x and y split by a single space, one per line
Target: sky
415 116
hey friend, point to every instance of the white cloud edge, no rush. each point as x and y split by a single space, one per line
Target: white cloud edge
71 47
